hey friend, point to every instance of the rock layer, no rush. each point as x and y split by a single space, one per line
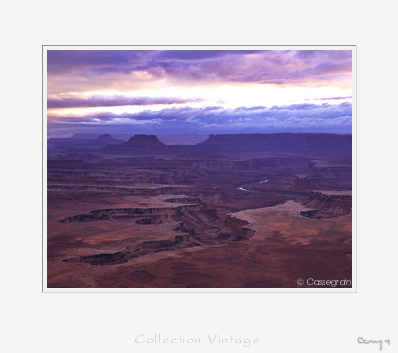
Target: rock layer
330 203
140 249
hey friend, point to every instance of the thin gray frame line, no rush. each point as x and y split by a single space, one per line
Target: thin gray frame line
223 45
197 45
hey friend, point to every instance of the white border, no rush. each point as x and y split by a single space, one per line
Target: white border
200 290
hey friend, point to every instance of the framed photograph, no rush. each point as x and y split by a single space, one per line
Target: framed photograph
199 168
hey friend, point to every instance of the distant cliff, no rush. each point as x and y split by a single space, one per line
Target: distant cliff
217 145
307 143
143 140
77 143
330 203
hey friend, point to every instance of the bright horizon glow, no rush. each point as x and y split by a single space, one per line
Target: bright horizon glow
199 91
227 97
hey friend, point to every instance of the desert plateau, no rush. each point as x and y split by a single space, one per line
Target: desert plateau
232 211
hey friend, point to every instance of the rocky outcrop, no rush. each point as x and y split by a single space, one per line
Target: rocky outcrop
85 218
134 212
214 195
183 200
143 140
239 226
309 213
104 259
330 171
161 190
330 203
139 145
200 222
137 250
302 183
144 221
107 138
182 228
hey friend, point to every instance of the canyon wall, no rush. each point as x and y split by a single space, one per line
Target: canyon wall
332 203
239 226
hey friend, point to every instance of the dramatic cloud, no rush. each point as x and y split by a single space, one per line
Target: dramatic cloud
128 69
205 120
114 101
167 91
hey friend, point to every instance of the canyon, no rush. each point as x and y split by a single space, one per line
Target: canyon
232 211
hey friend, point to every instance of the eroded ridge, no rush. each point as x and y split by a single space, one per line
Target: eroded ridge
161 190
193 222
327 204
138 250
133 212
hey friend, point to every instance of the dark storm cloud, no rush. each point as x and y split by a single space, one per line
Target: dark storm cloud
114 101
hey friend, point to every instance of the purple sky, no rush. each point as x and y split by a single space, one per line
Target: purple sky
202 91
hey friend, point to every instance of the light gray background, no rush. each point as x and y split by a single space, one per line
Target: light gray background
88 322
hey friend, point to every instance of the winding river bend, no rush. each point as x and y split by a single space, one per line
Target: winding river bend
247 186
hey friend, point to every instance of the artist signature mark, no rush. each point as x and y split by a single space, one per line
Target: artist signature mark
379 342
